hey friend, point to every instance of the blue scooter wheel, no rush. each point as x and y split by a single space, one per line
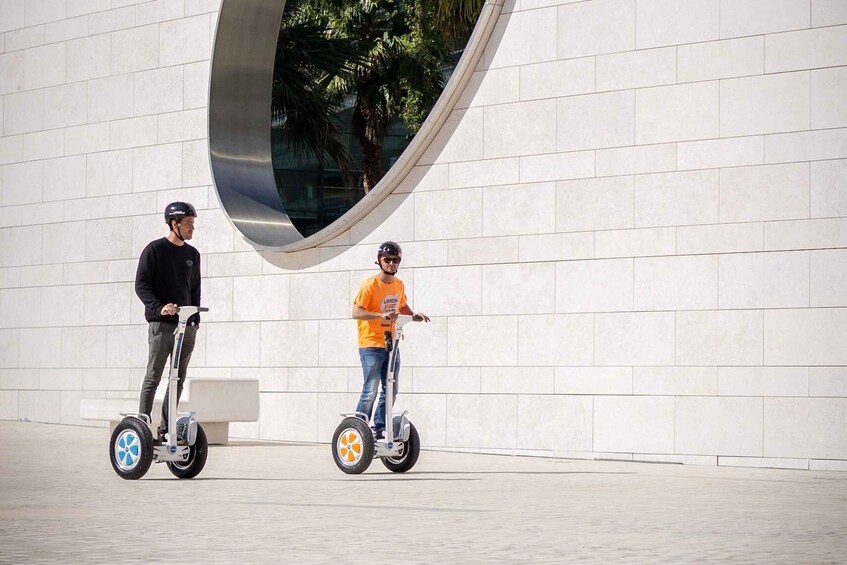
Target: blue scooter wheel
131 448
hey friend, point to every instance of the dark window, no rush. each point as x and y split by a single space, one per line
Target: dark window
313 194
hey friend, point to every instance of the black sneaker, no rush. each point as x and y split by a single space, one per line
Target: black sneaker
379 434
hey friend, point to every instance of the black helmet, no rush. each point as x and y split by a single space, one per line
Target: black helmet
389 248
178 210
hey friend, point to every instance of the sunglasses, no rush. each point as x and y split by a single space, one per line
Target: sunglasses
395 260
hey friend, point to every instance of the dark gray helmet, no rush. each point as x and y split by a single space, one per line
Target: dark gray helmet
178 210
389 248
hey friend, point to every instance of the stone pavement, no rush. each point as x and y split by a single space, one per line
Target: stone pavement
60 501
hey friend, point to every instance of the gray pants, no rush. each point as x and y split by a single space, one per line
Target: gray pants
160 337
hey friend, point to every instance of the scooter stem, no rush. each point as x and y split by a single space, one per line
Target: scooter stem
390 377
389 388
184 312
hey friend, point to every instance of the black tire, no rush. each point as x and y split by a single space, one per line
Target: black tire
196 458
353 445
131 448
411 451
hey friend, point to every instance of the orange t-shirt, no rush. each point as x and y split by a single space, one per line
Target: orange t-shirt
376 296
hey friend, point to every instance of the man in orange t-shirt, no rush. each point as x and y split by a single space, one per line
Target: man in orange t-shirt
380 299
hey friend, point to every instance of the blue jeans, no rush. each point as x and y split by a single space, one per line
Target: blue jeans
375 368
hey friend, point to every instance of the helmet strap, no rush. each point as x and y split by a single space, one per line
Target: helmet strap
381 268
176 231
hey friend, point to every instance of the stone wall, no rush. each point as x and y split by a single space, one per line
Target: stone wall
631 233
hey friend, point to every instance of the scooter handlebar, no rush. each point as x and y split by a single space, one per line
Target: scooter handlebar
186 312
402 320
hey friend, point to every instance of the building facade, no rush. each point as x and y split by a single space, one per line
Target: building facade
631 233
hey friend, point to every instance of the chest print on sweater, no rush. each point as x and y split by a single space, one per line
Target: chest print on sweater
189 262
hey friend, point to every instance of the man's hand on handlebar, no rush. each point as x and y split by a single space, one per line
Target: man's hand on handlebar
390 316
420 317
170 310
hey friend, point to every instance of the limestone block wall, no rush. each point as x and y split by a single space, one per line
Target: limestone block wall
631 233
103 117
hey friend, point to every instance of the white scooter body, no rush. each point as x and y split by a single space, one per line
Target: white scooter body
397 435
182 431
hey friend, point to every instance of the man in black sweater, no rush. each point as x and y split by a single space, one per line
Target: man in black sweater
168 276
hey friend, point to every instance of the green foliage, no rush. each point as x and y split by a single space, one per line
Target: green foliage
455 18
388 56
308 59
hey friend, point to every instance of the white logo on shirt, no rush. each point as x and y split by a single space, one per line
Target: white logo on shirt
390 303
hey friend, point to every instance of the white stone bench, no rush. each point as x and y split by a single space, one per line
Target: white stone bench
216 403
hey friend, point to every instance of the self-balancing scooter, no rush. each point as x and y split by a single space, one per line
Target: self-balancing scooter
353 444
185 447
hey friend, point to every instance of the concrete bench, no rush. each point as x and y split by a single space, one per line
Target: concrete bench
216 403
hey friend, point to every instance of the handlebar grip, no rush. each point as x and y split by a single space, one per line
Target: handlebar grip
198 308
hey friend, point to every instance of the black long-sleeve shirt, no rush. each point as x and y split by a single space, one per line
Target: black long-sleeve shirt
168 274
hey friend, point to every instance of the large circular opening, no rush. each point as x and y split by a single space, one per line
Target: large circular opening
292 171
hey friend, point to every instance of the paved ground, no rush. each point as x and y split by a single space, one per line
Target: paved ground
60 501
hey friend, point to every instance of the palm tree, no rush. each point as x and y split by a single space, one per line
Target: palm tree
456 18
400 77
303 106
386 58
